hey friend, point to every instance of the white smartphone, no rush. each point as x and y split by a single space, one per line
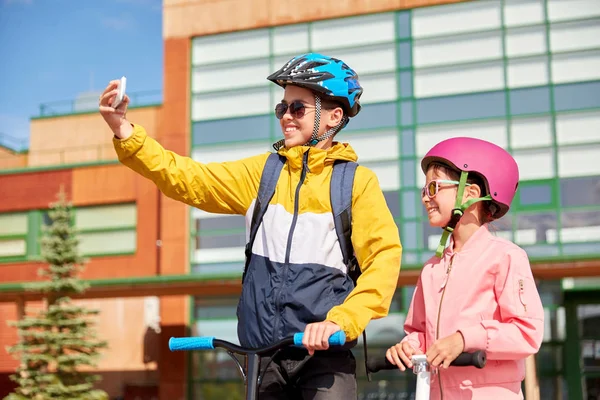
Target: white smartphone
121 92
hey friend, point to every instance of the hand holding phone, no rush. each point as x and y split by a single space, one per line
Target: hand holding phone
121 92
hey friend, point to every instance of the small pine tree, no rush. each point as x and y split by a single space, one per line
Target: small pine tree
59 339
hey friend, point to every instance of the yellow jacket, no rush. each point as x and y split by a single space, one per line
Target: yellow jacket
315 285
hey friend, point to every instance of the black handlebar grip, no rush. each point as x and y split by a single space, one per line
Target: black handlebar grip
476 359
376 364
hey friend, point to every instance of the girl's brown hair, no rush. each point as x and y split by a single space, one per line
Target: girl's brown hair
488 208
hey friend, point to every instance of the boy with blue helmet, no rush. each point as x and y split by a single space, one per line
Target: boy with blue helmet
297 275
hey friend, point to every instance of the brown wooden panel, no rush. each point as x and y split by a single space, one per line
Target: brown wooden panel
80 138
103 185
183 19
33 190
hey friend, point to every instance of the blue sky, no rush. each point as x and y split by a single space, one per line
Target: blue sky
52 50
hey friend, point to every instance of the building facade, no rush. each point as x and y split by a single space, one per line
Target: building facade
524 74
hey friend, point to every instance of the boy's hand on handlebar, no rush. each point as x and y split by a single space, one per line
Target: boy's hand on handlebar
400 355
316 335
445 350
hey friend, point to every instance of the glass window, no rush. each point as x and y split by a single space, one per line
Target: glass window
364 29
374 116
208 241
579 67
392 198
526 41
535 164
577 127
535 194
527 72
409 204
559 10
230 46
388 173
406 84
378 88
404 55
455 18
107 230
578 160
529 101
404 24
452 50
409 236
461 107
530 132
368 146
455 79
408 174
576 96
231 130
532 228
105 217
571 36
492 131
238 103
13 224
230 75
406 113
220 222
104 243
230 152
291 39
580 191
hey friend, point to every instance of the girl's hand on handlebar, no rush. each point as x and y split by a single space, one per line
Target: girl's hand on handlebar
316 335
445 350
400 355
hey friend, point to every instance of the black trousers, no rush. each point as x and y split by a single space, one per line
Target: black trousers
294 375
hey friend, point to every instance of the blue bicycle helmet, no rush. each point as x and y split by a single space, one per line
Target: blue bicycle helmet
326 76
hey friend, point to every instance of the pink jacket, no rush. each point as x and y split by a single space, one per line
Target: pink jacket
487 292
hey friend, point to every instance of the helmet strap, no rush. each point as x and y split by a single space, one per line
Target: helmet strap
457 212
315 138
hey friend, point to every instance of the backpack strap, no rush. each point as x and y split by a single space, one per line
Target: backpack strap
266 190
342 182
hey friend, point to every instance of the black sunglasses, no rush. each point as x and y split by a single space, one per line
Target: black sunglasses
297 109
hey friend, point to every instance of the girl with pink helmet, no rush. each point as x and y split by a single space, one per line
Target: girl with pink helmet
478 292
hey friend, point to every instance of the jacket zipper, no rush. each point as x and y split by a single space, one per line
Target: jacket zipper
288 248
522 294
437 329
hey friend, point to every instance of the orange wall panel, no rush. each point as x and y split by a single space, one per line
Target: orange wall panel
80 138
103 184
9 159
32 190
109 184
8 336
183 19
121 323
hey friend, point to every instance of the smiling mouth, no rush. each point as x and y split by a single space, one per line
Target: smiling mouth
431 210
290 129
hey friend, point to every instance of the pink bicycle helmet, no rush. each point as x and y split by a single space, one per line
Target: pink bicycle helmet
497 167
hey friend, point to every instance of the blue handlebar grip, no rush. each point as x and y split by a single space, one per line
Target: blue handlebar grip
337 339
191 343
